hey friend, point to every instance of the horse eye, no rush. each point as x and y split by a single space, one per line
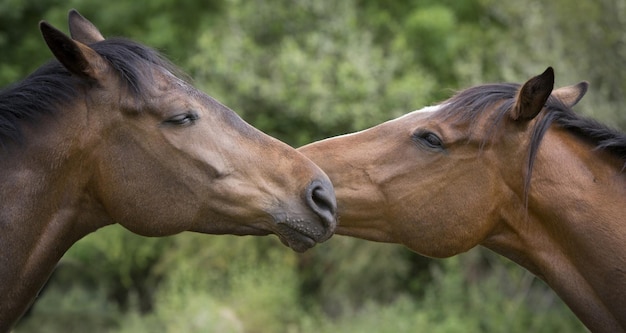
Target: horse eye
182 119
428 139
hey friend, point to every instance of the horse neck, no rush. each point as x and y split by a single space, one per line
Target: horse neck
573 233
44 210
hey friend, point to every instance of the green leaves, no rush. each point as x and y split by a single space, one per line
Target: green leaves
315 79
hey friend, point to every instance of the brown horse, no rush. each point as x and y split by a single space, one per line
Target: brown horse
449 177
109 133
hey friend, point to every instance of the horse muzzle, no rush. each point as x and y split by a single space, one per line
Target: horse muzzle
301 233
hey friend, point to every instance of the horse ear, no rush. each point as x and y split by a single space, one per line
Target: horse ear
533 96
77 57
82 30
571 95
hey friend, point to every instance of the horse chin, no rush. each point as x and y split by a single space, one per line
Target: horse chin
297 240
297 234
293 233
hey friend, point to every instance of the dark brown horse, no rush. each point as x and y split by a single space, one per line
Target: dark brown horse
108 133
505 166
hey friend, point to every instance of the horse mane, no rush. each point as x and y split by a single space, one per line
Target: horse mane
51 86
602 136
38 94
471 104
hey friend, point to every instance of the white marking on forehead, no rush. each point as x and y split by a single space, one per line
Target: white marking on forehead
428 109
432 108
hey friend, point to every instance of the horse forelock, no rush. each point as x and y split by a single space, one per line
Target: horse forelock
484 105
133 62
496 101
51 85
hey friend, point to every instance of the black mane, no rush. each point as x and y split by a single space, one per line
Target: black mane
471 104
51 86
40 93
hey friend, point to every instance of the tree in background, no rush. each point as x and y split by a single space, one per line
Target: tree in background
301 71
171 26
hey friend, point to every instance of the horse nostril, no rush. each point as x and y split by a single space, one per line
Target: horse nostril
320 196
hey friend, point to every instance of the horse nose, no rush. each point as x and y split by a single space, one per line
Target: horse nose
320 197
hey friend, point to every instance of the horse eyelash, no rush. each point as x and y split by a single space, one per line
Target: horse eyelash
183 119
424 137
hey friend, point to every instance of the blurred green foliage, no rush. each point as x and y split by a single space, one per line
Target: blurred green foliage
301 71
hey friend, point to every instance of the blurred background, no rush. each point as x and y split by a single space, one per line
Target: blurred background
302 71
